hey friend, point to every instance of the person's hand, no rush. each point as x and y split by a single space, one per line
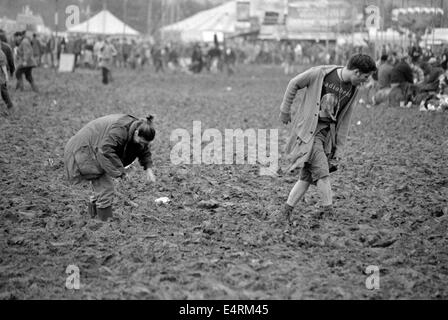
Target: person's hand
285 117
335 162
150 177
337 158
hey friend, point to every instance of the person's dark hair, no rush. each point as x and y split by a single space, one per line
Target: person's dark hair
146 129
3 37
384 57
364 63
20 33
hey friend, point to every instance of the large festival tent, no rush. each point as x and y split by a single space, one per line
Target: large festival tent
204 25
223 22
104 23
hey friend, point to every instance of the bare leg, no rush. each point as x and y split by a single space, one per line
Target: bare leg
324 187
297 193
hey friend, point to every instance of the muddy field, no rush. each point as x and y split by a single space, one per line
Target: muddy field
216 238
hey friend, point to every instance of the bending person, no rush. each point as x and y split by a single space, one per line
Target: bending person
102 149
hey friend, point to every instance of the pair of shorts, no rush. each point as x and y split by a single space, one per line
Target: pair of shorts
317 166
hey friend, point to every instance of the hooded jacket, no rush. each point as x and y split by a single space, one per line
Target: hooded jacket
104 146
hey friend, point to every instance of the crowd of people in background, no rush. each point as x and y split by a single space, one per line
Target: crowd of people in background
406 75
412 77
170 55
90 52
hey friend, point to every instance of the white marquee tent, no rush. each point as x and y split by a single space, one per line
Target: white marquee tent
202 26
104 23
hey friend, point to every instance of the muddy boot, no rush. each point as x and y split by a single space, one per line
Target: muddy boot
10 106
92 210
287 213
34 87
104 213
9 111
19 85
284 216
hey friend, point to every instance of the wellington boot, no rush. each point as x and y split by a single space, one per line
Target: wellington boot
104 213
284 216
92 209
34 87
19 85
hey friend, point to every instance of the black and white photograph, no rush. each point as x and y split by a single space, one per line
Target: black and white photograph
204 151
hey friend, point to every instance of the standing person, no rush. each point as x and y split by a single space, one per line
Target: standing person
321 125
61 48
213 57
173 58
77 50
288 58
157 58
37 50
88 54
10 67
107 54
197 61
25 61
298 52
99 43
4 78
102 149
49 49
126 48
229 60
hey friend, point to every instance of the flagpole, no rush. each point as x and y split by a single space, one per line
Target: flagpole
88 19
56 23
104 16
148 17
56 20
125 16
